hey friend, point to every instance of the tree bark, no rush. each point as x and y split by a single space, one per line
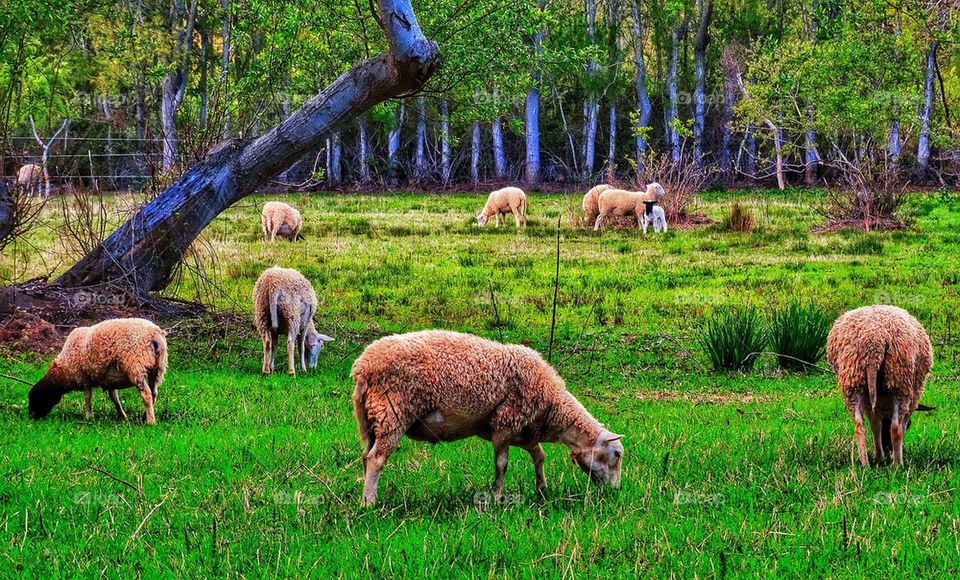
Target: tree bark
644 108
420 159
393 144
475 153
926 111
778 148
175 84
143 253
333 159
591 107
499 154
445 141
812 156
895 145
613 24
672 116
532 124
700 88
364 152
225 67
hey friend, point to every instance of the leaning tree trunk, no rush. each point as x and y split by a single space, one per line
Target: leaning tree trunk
142 255
644 108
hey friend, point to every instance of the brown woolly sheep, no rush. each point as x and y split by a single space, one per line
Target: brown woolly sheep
115 354
284 302
504 201
280 219
591 203
623 202
882 356
436 386
30 176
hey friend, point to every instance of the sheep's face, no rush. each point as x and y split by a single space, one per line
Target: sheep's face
314 346
601 461
481 220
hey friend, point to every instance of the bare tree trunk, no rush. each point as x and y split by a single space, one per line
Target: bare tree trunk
499 154
225 67
532 127
672 116
644 108
445 141
613 24
334 176
206 44
144 252
750 145
175 84
591 108
475 145
420 160
778 147
364 153
812 156
700 88
393 144
895 145
926 111
45 152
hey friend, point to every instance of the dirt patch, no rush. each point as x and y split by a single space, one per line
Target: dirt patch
26 332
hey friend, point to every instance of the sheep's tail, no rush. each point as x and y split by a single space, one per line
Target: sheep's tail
872 384
360 410
155 373
274 321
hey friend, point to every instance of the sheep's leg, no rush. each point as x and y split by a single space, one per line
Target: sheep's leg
896 435
147 401
291 350
876 426
274 345
303 351
597 225
115 397
267 353
88 403
537 455
516 216
501 456
373 462
860 433
643 224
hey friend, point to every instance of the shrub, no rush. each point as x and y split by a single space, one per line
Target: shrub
798 335
739 218
732 338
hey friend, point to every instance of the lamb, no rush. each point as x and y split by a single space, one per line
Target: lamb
504 201
115 354
591 202
654 215
882 356
623 202
284 302
29 176
436 385
280 219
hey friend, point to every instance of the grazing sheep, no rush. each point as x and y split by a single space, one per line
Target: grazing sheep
436 386
654 215
882 357
504 201
115 354
284 302
591 203
280 219
30 176
623 202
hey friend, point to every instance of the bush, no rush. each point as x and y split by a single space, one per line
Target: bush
732 338
739 218
798 335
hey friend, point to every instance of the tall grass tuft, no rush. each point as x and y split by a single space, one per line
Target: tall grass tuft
732 338
739 218
798 335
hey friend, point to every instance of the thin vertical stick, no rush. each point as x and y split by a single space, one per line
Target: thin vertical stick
556 291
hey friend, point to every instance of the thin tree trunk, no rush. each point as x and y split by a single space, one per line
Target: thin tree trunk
206 48
644 108
750 145
613 24
895 145
225 67
591 107
700 88
420 160
445 141
926 112
393 144
364 153
532 125
499 155
672 116
175 85
144 252
475 145
812 156
778 148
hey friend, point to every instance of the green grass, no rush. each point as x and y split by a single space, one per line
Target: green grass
745 474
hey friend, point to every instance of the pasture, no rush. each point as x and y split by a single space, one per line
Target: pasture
741 474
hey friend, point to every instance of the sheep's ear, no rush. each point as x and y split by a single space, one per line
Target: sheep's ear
326 338
613 437
923 408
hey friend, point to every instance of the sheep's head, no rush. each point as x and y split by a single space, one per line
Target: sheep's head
315 342
44 396
481 220
656 190
601 459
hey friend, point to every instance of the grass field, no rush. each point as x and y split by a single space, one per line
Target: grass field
739 474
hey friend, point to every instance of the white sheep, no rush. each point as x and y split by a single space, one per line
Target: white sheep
30 176
591 203
115 354
623 202
503 201
882 356
280 219
284 302
654 215
436 386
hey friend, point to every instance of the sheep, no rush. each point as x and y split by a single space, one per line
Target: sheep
623 202
882 356
29 176
115 354
436 385
504 201
654 215
280 219
284 302
591 203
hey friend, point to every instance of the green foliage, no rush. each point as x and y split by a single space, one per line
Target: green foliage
798 335
733 337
